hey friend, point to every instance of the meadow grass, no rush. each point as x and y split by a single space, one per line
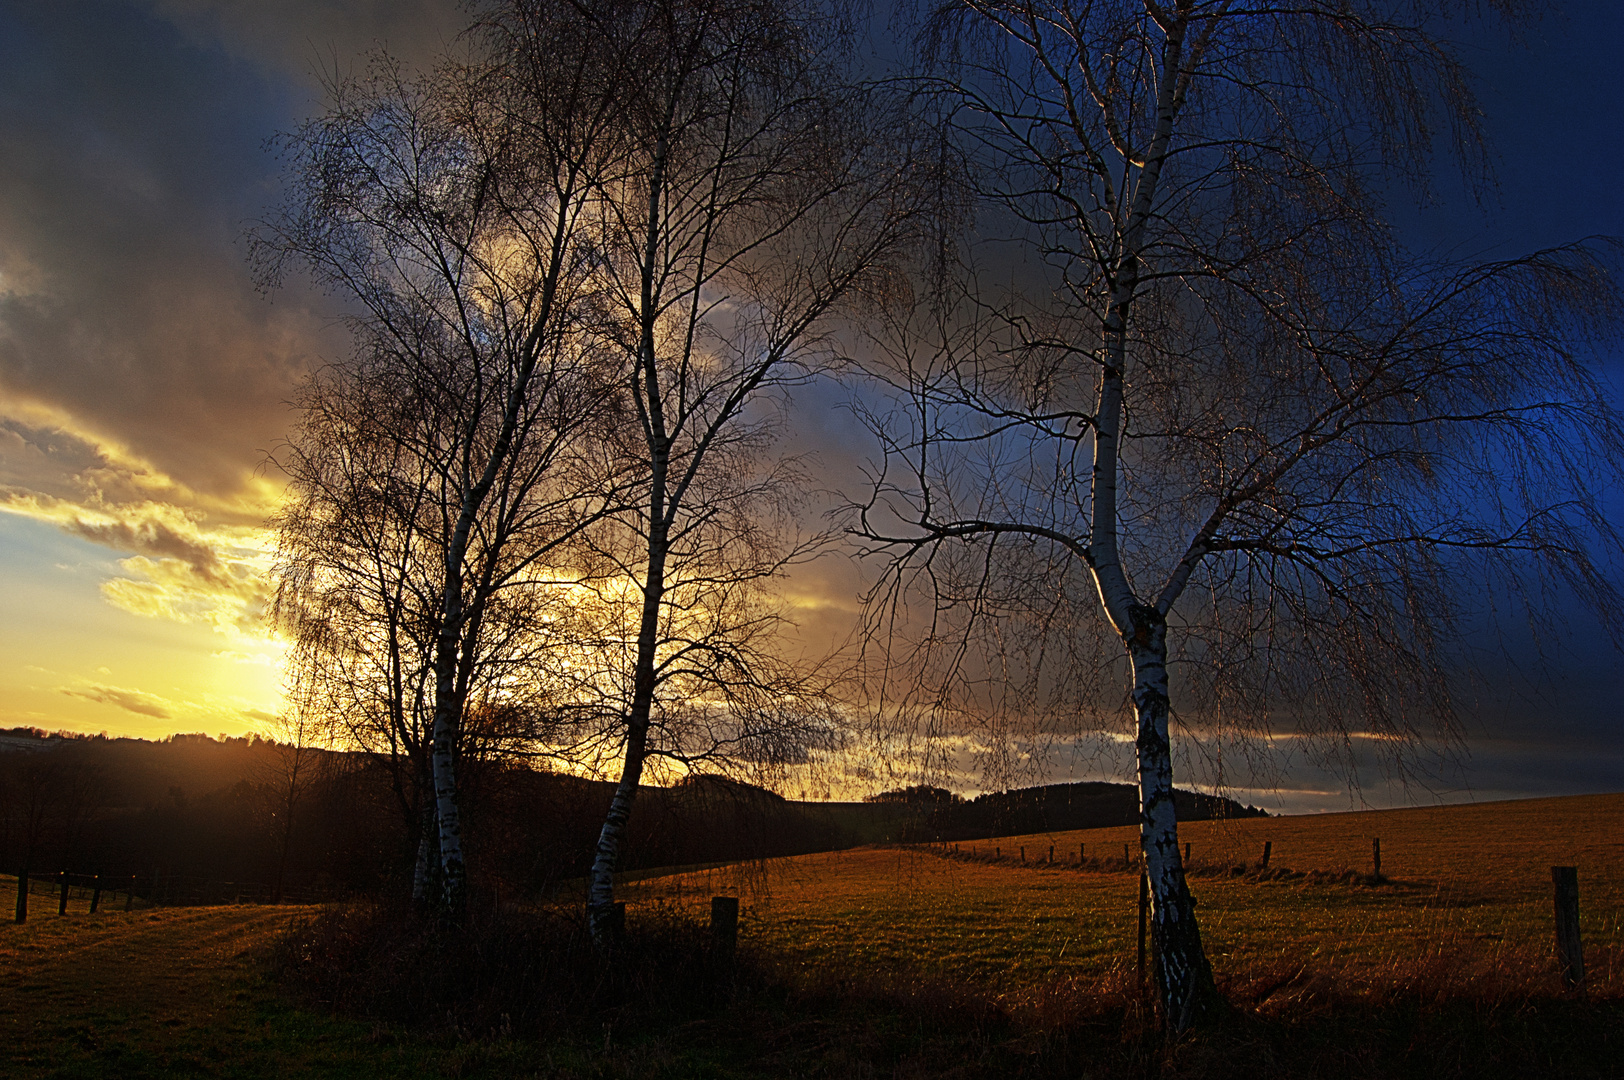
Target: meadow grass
178 992
901 962
1465 889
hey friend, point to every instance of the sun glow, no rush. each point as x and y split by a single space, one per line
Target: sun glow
134 604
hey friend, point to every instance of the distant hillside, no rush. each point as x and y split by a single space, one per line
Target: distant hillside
137 772
553 822
195 807
939 815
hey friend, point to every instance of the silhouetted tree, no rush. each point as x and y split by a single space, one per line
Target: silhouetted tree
289 768
1214 413
440 469
761 195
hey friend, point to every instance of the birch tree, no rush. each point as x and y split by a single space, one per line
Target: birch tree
1212 412
440 470
760 195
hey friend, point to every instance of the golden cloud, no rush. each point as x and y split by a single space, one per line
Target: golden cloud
193 558
136 701
207 711
234 600
47 456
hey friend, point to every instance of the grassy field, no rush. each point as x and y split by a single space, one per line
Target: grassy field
1467 895
916 963
182 992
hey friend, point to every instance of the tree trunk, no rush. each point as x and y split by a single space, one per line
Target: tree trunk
423 869
293 764
453 876
282 863
600 902
1184 981
448 715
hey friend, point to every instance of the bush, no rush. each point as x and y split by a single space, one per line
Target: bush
529 972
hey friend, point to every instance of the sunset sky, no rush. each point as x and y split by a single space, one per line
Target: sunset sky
143 379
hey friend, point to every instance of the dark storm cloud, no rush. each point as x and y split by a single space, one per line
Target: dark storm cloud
142 375
129 160
154 538
1549 101
295 37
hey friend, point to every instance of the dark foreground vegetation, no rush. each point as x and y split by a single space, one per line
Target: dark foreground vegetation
522 992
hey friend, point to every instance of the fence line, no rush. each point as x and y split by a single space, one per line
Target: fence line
91 892
1077 858
1569 947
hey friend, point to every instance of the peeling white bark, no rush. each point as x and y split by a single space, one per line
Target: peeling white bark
1183 975
601 885
453 874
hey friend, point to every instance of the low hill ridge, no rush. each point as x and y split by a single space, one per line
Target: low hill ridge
1047 808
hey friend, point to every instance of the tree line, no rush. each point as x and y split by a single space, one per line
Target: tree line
1156 390
193 811
947 816
536 510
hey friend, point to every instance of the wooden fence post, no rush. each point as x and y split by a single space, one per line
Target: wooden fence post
1144 917
1051 854
1570 951
724 928
998 853
22 896
95 897
1023 854
1376 856
62 901
1268 846
1186 853
1127 863
129 897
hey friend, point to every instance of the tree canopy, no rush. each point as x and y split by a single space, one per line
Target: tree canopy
1184 401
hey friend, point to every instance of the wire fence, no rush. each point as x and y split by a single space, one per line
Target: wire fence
64 892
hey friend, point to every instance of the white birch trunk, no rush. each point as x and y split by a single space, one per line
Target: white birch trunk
453 873
600 906
600 903
453 644
1183 975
